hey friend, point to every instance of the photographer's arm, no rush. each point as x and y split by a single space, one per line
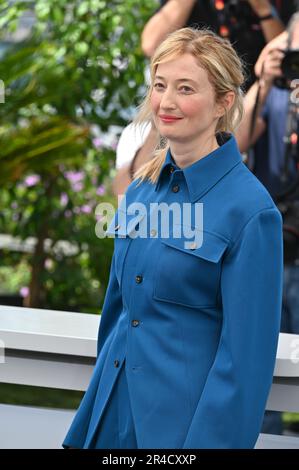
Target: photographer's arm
267 68
173 15
272 26
243 131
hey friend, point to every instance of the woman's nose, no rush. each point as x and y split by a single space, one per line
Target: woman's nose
167 101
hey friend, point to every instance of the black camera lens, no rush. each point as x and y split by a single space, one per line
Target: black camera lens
290 64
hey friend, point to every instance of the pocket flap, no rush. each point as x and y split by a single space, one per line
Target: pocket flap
124 225
205 245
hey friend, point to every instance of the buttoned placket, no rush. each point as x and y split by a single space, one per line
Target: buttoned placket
134 286
172 189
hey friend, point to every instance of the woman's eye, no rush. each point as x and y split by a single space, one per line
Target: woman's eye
158 86
186 89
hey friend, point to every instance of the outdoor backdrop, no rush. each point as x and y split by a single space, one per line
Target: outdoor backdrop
71 81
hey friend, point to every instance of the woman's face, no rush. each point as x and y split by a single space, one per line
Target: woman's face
183 100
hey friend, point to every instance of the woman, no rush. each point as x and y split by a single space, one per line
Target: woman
190 322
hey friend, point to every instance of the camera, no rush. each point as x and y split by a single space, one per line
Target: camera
290 64
289 67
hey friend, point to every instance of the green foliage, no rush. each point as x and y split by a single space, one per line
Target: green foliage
25 395
11 279
78 73
40 146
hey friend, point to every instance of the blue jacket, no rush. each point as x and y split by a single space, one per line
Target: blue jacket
198 324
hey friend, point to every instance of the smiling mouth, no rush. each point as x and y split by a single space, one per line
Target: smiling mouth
169 118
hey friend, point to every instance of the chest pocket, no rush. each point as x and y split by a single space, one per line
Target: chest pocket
187 276
123 228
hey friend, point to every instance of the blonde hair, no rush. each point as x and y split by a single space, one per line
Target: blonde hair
214 54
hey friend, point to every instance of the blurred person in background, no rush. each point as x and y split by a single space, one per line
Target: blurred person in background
249 25
271 122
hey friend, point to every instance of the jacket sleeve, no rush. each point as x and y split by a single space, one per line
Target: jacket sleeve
111 310
230 409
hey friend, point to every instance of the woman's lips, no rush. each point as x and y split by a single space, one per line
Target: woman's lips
165 118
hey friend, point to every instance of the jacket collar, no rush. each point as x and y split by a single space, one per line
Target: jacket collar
203 174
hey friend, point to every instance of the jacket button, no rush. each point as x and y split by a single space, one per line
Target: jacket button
171 169
116 363
153 232
135 322
193 246
176 188
138 279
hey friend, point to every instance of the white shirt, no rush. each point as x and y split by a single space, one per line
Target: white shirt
132 138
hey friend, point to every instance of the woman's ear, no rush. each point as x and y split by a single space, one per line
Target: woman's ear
225 103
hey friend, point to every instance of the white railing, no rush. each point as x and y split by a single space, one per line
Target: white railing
49 348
